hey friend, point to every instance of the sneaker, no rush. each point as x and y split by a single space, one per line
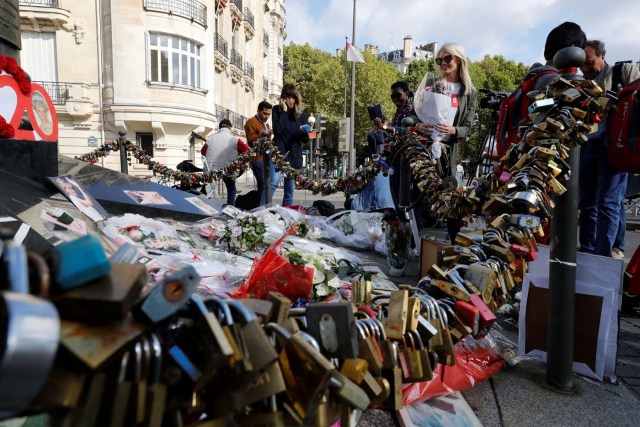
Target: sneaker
617 253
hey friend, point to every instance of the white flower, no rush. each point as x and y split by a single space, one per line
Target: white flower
518 296
318 276
334 283
235 232
322 290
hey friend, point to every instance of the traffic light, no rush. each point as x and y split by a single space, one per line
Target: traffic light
320 121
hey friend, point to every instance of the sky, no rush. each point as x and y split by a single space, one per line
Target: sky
515 29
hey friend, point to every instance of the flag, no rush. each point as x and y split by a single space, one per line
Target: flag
353 54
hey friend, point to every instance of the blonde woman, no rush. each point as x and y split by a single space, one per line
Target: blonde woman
454 74
290 131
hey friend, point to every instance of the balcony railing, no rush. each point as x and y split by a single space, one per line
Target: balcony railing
238 4
190 9
58 92
265 39
248 16
221 45
40 3
265 84
237 120
236 58
248 70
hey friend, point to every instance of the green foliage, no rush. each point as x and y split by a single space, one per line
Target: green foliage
416 71
321 80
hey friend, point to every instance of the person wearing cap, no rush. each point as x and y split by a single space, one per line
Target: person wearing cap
223 148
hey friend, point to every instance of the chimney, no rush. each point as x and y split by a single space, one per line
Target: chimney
408 47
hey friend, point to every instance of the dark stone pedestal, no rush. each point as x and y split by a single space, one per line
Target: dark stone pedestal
34 160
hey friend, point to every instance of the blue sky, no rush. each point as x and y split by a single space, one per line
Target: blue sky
515 29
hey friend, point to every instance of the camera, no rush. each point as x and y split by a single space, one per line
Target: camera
492 99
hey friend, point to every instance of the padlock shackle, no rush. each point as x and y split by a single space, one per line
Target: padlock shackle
221 305
278 330
156 372
311 340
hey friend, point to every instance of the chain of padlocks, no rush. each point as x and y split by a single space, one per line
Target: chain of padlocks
99 352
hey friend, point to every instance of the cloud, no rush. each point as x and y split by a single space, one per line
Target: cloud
514 29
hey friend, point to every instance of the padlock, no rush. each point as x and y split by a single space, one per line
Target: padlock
107 299
348 391
260 351
470 315
484 278
30 328
281 306
306 372
14 271
333 326
78 262
487 317
157 390
168 295
395 323
262 308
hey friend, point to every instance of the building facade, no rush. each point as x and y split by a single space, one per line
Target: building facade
401 58
156 69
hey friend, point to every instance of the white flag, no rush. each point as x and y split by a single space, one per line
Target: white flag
353 54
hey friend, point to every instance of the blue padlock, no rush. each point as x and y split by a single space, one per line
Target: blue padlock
78 262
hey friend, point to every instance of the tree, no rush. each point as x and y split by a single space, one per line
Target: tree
416 71
320 77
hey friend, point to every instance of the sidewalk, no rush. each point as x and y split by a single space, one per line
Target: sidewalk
514 396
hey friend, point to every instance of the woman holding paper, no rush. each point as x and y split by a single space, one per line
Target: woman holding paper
455 81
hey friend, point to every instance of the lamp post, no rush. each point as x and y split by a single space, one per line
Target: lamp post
10 42
352 146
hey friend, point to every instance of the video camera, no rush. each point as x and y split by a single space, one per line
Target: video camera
492 99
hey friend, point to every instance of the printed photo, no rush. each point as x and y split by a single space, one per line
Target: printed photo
147 197
42 113
202 205
61 219
79 197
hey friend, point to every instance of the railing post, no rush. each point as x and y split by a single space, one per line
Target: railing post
124 163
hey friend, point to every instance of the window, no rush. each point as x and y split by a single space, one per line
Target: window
145 141
174 60
38 55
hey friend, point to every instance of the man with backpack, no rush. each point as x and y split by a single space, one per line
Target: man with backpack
514 109
602 213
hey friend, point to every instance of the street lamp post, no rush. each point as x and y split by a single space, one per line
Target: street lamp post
352 147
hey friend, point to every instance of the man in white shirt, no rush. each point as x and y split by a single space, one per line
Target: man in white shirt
222 148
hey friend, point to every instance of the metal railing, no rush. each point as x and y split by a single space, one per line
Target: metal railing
236 58
248 16
221 45
248 70
265 84
236 119
190 9
265 39
58 92
238 4
39 3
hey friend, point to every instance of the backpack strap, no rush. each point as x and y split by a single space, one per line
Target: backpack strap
616 76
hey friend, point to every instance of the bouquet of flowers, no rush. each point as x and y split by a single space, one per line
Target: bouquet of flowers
434 104
241 234
325 281
397 237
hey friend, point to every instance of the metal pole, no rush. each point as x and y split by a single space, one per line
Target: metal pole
124 164
317 157
344 112
352 148
562 282
562 285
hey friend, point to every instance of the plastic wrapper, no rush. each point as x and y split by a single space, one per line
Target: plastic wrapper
272 272
152 234
476 360
352 229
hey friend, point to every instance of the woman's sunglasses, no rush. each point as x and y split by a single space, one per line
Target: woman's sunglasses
446 59
396 95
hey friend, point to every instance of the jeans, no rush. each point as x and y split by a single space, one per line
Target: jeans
230 183
601 191
376 194
258 172
622 223
289 186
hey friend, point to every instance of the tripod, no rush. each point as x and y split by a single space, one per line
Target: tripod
483 165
